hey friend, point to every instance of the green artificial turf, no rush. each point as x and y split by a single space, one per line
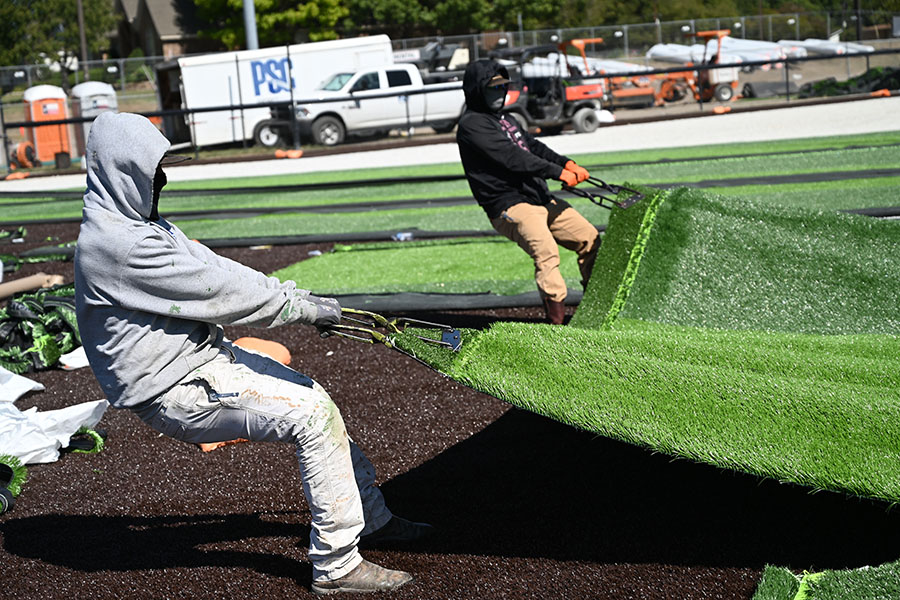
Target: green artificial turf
676 153
776 583
467 217
846 194
867 583
698 336
825 161
461 266
20 473
820 411
722 263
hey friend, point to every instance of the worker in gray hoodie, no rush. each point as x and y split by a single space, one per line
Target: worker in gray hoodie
151 305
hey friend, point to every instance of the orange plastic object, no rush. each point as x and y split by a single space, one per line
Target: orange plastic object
273 349
886 93
214 445
294 153
280 153
22 154
721 110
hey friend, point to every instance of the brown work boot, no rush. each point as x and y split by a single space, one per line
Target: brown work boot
397 529
367 577
556 311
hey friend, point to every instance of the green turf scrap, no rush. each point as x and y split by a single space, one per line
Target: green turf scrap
717 262
867 583
20 473
480 265
777 583
820 411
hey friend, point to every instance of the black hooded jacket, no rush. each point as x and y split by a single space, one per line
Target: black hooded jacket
504 164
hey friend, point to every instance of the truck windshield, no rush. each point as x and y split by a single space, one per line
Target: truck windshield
336 81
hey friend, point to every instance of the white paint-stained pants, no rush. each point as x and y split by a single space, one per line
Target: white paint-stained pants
243 394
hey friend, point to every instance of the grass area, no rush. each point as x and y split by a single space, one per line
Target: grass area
428 267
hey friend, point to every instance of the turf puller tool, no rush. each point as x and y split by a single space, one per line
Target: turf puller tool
365 326
605 194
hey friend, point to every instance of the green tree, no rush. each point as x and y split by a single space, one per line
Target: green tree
277 21
32 29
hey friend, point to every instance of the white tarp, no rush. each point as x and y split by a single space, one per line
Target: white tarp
829 48
35 436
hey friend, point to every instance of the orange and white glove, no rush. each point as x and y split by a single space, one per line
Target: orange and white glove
580 172
568 177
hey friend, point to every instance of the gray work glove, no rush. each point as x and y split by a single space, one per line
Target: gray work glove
328 313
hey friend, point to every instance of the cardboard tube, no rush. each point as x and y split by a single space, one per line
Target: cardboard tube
25 284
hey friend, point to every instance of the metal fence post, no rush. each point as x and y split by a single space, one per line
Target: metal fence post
787 80
237 72
3 143
292 115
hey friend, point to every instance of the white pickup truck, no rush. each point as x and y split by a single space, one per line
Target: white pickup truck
376 100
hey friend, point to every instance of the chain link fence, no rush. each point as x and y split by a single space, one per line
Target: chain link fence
134 79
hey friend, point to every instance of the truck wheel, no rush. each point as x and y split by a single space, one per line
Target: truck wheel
444 126
328 131
521 120
585 120
267 134
723 92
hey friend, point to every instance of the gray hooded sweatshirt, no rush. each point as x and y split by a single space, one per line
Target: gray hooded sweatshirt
150 301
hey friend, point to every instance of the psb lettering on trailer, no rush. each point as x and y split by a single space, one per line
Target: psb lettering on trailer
274 72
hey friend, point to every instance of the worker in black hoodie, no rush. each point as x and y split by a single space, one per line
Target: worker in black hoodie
507 168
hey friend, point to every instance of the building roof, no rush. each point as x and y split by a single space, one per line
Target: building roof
173 19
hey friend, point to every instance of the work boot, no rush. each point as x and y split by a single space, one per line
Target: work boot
397 529
366 577
556 311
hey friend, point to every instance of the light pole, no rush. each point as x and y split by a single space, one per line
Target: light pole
83 39
250 25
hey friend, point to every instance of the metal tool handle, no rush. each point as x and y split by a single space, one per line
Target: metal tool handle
605 194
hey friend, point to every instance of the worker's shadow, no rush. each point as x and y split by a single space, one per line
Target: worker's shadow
104 543
528 486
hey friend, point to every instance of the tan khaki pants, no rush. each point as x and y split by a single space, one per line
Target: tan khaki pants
538 230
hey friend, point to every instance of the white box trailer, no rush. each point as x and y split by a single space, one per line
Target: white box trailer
253 77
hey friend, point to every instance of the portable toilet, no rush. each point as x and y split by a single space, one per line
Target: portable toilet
48 103
89 99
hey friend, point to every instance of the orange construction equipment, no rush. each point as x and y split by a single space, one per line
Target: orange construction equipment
47 103
635 91
706 85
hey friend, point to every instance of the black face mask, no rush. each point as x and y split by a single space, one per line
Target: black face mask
495 97
159 182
